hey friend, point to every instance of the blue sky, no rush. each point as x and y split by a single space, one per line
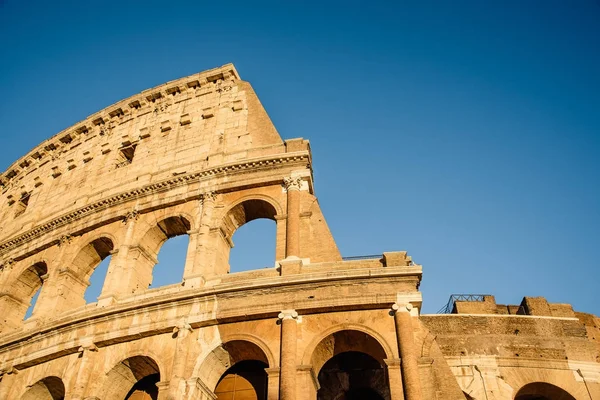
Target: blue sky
465 132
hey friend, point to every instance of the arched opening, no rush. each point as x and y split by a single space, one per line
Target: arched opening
350 365
236 369
245 380
97 281
468 397
29 285
171 261
542 391
92 265
254 246
50 388
167 244
251 236
134 378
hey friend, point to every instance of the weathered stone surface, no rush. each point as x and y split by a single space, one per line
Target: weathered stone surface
199 156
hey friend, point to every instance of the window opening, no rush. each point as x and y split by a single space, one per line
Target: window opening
22 203
126 155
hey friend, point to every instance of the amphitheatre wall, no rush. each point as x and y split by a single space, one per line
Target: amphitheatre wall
199 156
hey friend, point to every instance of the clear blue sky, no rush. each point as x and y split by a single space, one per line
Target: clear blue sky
466 132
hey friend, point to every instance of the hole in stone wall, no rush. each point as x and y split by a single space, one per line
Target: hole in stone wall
21 205
126 155
254 246
171 262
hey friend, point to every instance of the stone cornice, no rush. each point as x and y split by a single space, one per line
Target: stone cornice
161 186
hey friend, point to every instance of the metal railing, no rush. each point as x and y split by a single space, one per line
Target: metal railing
447 309
369 257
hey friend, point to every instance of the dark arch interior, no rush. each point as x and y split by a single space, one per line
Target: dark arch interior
542 391
245 380
132 378
353 375
145 388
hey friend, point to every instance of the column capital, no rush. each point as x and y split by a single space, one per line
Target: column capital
288 314
183 326
401 307
86 348
7 264
209 196
65 239
131 216
292 183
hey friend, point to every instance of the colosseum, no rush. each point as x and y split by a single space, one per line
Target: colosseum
199 156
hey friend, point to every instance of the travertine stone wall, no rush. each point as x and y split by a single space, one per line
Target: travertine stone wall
199 156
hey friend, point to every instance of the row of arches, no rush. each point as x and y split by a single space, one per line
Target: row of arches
162 253
349 364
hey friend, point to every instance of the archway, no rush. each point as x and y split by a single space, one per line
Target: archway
236 369
350 365
542 391
134 378
167 244
49 388
29 286
256 240
87 262
19 302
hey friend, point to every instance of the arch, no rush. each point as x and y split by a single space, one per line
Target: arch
49 388
248 209
271 362
135 373
91 255
215 366
151 244
542 391
20 295
237 214
259 197
312 348
163 230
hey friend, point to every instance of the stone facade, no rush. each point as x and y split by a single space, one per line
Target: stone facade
199 156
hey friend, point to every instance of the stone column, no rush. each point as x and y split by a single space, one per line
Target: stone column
163 390
118 263
179 360
192 274
86 355
287 357
292 241
408 352
272 383
394 378
202 262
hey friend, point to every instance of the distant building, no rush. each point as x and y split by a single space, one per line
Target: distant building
199 156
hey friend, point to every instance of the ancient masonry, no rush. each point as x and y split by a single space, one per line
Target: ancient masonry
199 157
